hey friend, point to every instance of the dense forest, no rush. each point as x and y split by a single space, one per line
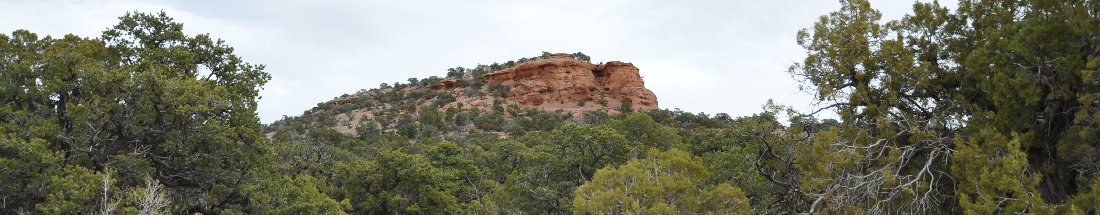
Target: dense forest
990 108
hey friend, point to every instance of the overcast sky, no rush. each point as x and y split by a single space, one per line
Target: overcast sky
720 56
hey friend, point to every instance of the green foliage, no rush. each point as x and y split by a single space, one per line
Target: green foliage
489 121
642 132
585 148
456 73
70 190
664 182
368 131
443 99
144 99
431 116
299 195
534 120
732 160
147 119
1088 201
400 182
1000 182
773 179
465 117
499 90
999 90
581 56
536 169
991 108
594 117
553 165
626 107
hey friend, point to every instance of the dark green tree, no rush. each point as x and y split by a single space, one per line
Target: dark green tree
642 133
555 164
663 182
986 109
145 100
399 182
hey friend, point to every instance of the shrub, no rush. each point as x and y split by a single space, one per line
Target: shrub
626 107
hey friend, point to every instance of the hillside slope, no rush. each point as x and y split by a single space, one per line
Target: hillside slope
513 138
553 84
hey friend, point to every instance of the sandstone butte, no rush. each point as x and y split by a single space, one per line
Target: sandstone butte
560 82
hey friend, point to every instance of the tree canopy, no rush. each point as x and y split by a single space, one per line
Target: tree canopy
988 108
86 121
664 182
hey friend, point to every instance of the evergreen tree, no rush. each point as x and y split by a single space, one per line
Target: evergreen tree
933 102
106 125
664 182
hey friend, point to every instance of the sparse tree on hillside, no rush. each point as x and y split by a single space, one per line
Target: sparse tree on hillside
456 73
582 56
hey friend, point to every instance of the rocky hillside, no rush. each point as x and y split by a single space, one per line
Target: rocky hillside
520 137
561 84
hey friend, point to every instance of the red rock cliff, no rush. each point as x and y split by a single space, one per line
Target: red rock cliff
560 82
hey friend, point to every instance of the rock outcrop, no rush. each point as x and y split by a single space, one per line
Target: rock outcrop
345 100
560 82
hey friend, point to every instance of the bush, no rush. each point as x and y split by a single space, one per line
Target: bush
595 117
368 131
582 56
471 92
456 73
463 118
408 130
626 107
489 121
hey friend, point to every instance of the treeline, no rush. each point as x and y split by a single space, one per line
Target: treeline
500 158
479 172
146 119
987 109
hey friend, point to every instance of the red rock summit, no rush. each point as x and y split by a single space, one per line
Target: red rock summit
559 82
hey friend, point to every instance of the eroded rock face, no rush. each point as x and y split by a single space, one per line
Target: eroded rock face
623 83
560 82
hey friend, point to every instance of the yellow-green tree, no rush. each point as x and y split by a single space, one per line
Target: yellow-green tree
663 182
